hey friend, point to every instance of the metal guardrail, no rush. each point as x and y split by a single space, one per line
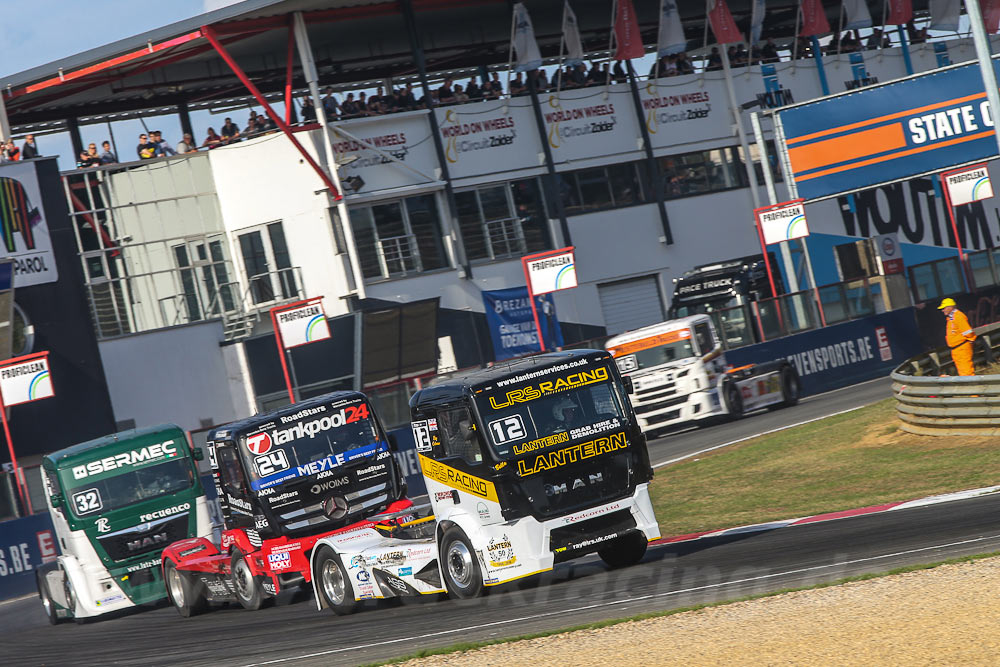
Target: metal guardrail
931 402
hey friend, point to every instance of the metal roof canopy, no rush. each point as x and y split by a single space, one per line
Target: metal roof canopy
353 41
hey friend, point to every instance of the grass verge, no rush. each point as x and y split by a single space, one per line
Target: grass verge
852 460
470 646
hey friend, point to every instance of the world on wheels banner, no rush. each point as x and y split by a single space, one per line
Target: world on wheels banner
302 323
512 325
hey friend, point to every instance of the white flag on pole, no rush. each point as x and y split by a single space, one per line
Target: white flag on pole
671 38
756 21
944 15
858 15
528 56
571 35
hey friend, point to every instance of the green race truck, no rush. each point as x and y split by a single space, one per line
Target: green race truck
116 502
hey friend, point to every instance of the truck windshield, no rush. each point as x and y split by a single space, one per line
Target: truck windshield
552 410
703 307
653 351
91 496
320 440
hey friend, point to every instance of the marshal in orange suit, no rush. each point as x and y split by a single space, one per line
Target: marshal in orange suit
959 337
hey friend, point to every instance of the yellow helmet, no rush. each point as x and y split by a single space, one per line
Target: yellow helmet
946 302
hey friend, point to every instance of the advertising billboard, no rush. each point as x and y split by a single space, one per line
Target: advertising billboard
889 132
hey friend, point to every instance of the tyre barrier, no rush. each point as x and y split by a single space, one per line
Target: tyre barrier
929 401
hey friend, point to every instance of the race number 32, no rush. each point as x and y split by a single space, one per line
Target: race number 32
87 501
507 429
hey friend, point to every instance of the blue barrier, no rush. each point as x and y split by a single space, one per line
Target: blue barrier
841 354
409 465
25 544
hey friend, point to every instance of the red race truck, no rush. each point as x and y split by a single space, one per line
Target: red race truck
286 479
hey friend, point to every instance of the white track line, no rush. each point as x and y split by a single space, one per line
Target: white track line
757 435
618 602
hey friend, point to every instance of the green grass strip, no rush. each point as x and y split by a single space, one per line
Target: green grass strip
471 646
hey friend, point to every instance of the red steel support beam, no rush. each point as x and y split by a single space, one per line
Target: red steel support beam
290 60
210 35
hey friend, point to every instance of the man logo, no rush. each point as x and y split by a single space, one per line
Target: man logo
259 444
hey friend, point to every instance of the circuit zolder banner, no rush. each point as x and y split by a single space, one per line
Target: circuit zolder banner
884 133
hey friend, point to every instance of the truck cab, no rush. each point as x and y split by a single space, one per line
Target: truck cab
680 375
528 463
724 290
116 502
284 480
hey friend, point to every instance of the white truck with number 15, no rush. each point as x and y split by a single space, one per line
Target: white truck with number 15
680 374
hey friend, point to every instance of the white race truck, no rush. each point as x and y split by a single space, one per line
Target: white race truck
528 463
679 374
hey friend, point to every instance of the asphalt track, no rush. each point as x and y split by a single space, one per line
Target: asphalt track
670 576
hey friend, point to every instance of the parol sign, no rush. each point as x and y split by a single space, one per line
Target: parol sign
968 185
782 222
26 379
550 271
890 132
302 323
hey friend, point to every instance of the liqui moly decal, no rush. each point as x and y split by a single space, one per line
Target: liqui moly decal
26 379
302 324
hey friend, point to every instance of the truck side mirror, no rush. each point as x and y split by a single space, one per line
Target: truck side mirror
629 386
198 453
56 499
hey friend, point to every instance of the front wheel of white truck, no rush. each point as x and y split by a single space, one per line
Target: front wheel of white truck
462 575
625 550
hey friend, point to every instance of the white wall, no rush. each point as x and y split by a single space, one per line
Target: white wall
265 180
176 375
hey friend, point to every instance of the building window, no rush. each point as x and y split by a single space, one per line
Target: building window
205 285
398 238
600 188
268 264
772 158
698 172
504 220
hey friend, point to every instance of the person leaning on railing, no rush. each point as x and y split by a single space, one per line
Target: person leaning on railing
959 337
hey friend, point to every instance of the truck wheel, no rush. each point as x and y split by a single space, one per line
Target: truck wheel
462 575
182 591
48 604
625 551
734 401
244 584
789 386
334 583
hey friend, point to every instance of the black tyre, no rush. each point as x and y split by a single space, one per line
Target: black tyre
790 387
244 584
734 400
334 583
183 592
48 604
625 550
462 576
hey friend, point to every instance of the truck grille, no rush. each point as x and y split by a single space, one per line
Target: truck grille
646 408
145 538
585 484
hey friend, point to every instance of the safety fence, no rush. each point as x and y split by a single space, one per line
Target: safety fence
930 400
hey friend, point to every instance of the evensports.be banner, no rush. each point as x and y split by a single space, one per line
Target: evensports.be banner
890 132
25 544
512 326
